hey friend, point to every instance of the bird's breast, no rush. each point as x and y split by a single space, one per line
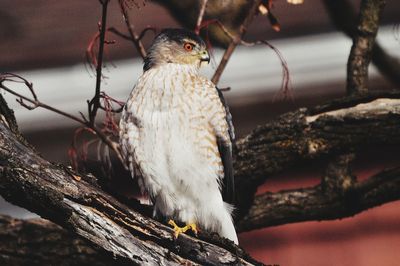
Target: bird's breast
164 90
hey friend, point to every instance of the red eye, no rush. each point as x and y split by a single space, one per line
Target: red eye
188 46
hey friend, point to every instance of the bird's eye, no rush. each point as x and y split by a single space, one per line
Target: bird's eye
188 46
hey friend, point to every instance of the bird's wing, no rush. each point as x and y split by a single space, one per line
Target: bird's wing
228 118
129 139
224 130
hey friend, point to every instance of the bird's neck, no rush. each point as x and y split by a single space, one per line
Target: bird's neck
171 79
180 69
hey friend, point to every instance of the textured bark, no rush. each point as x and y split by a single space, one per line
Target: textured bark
76 203
344 17
363 42
40 242
321 203
308 134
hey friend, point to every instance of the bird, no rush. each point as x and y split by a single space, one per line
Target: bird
176 136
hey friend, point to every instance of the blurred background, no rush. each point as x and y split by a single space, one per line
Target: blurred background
45 42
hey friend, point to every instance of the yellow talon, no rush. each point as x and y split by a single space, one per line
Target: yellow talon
193 227
178 230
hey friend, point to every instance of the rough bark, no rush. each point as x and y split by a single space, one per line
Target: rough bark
319 203
76 203
308 134
363 42
40 242
344 17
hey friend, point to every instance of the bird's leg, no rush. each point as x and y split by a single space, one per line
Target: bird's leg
178 230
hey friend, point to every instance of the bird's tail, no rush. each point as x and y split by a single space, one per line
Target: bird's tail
227 227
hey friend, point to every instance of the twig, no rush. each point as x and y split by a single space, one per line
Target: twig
36 103
108 101
134 37
94 104
203 5
363 42
235 41
285 87
120 34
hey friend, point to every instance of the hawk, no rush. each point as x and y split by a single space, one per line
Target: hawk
176 136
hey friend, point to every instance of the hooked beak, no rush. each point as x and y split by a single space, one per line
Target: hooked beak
204 56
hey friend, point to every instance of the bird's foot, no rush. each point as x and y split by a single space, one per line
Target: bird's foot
178 230
193 227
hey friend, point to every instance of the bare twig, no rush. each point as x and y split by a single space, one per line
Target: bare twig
120 34
203 5
363 42
36 103
94 104
134 37
235 41
4 77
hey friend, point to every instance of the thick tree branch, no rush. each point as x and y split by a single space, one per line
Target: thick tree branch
338 177
363 42
55 193
307 134
317 203
40 242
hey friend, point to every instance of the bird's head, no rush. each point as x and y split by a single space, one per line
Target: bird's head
178 46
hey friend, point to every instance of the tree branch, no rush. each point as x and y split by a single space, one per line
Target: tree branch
316 204
9 77
94 104
363 42
133 36
307 134
344 18
203 4
235 41
40 242
338 177
55 193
